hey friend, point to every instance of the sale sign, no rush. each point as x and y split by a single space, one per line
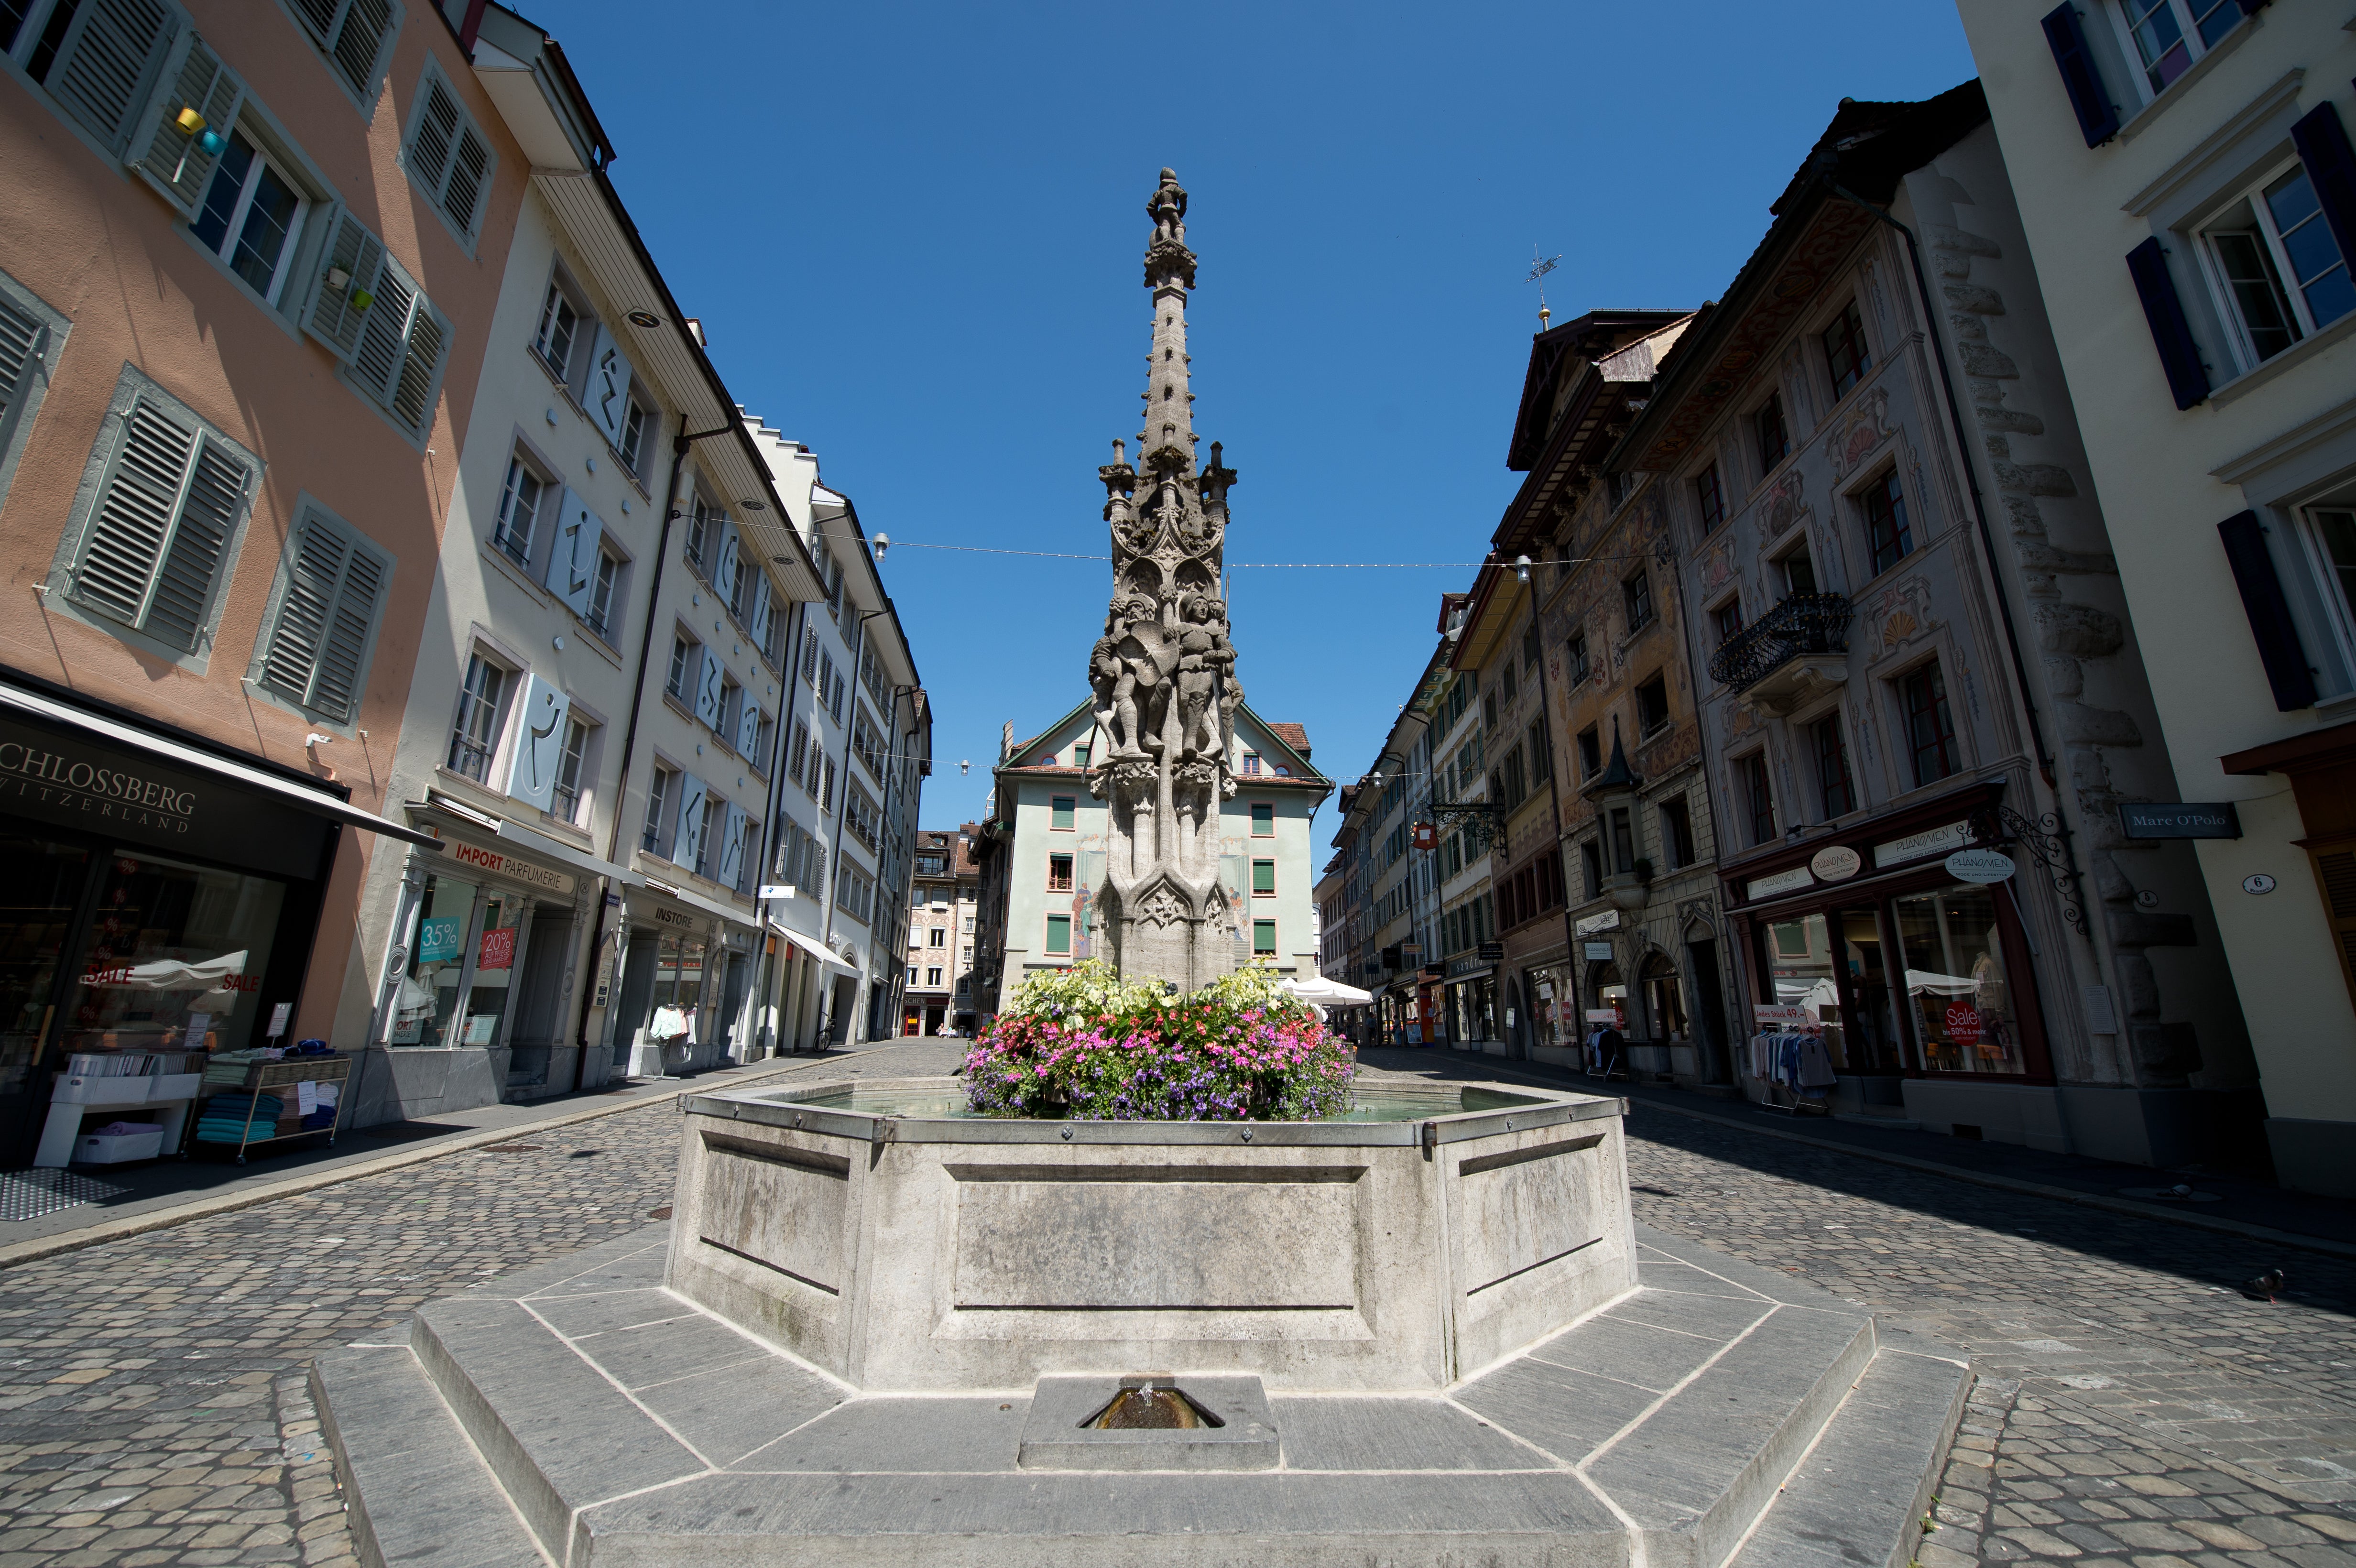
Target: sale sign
1963 1023
499 949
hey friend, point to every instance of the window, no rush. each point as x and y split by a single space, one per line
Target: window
1512 788
2169 35
370 314
520 505
1886 533
603 590
1059 873
1576 649
1624 840
1541 751
1250 764
1799 571
1530 646
1590 869
251 213
660 791
1653 705
1845 352
475 733
2332 533
706 526
826 788
1727 620
322 626
1506 685
1059 936
1263 818
631 448
912 973
1489 709
686 667
933 978
352 34
937 936
1930 728
1839 794
560 324
1710 496
1263 879
169 499
728 711
1590 753
447 156
1080 755
2277 266
567 797
1750 777
1060 813
1774 437
30 334
1637 594
1263 939
1676 833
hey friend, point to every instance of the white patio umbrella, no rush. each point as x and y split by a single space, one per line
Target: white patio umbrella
1327 993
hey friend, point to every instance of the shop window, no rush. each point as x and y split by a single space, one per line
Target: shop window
1709 499
426 1008
1263 939
1676 833
1758 799
1846 355
1930 726
323 617
177 958
1263 819
1886 532
1665 1000
1837 793
1263 879
1636 594
1059 873
170 497
474 733
1772 434
1061 813
677 994
1059 936
1653 705
1955 986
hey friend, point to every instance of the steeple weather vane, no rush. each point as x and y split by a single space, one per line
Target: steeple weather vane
1539 268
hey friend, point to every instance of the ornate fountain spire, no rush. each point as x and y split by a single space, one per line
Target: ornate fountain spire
1163 672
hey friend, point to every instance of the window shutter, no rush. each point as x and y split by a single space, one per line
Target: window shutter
112 51
434 136
384 333
748 734
573 562
539 742
2065 35
359 47
760 622
427 345
687 842
318 649
173 160
22 337
801 746
2268 608
2322 144
470 171
165 511
2179 356
724 560
338 316
709 690
731 848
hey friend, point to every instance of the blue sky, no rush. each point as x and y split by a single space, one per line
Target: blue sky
914 234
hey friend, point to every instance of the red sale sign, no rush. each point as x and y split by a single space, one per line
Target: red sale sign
499 949
1963 1023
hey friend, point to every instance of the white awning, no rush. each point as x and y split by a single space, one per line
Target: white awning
285 791
1327 993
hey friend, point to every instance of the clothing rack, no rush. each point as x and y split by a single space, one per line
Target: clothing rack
1791 1061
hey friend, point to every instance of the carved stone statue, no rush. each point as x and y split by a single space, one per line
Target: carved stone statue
1162 676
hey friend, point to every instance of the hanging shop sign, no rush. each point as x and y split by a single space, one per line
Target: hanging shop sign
1597 952
2189 819
1980 865
1836 863
1493 953
1789 882
1915 846
501 864
1426 837
1607 920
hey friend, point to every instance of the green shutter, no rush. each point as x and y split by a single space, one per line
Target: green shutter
1059 934
422 359
359 42
318 650
166 505
337 314
1263 876
384 333
1263 819
172 160
21 337
111 52
1060 811
1263 937
448 155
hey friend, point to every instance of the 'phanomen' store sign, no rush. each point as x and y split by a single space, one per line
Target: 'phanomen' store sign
66 780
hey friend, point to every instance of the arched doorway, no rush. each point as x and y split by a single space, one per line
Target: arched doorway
1665 1015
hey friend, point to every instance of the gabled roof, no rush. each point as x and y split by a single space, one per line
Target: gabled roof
1556 355
1866 150
1293 740
1599 396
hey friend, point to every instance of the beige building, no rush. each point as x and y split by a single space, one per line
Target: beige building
943 892
2187 193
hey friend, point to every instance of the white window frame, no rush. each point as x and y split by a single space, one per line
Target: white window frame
2212 272
2339 604
2131 54
583 761
510 680
562 290
264 158
523 461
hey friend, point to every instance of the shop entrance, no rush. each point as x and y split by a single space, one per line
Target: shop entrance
638 992
42 884
539 1024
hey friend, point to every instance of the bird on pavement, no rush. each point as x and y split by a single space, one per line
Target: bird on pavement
2267 1285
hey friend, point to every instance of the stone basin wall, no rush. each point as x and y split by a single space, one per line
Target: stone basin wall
910 1254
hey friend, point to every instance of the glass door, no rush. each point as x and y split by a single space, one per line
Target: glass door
1866 969
41 885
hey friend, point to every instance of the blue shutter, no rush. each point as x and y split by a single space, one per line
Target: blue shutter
731 848
573 559
2170 333
2322 144
710 691
2268 608
539 744
686 838
2066 36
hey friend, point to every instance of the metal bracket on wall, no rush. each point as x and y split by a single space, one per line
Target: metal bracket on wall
1478 821
2047 840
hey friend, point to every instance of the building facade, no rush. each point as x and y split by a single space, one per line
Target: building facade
937 954
2187 193
1917 645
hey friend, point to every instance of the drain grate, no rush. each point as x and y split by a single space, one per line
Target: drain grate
29 1194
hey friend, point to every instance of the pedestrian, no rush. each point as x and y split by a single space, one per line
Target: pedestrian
1603 1052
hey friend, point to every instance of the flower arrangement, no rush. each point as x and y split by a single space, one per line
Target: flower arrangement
1084 1044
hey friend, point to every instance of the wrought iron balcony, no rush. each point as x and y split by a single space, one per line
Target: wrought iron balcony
1795 649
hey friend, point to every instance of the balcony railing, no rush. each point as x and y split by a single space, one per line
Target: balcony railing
1803 624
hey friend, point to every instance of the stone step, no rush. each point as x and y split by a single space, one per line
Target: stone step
1857 1499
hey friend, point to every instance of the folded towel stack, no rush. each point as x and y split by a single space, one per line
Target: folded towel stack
224 1119
324 1117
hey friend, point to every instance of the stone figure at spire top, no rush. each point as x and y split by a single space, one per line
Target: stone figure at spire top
1164 674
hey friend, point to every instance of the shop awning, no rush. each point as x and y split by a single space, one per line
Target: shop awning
693 900
301 797
531 843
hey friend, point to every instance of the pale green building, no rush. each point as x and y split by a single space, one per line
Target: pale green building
1043 852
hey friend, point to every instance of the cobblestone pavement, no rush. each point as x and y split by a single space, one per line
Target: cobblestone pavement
2134 1410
